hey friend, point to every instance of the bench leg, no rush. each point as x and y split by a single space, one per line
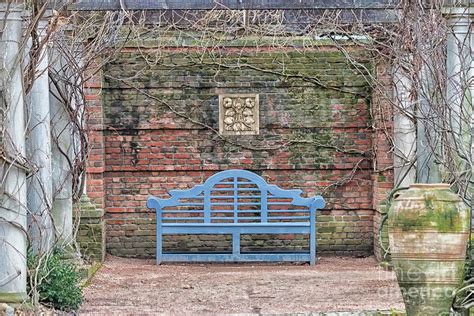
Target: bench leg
236 245
313 254
159 247
312 244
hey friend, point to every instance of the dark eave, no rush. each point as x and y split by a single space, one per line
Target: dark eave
89 5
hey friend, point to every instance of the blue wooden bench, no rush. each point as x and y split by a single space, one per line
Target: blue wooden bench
236 202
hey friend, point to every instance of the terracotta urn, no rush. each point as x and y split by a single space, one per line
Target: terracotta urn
428 228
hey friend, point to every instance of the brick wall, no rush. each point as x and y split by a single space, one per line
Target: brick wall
156 133
95 128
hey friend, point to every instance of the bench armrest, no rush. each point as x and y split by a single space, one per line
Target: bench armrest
318 203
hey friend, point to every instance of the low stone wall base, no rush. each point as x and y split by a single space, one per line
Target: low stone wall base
91 232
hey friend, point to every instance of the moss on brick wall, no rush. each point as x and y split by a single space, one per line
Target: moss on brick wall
161 115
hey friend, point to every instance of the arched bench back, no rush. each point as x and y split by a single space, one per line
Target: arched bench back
235 196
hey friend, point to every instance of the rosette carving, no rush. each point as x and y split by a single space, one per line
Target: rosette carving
238 114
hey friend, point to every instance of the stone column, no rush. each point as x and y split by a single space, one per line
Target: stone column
40 223
458 65
404 131
460 89
62 149
13 238
428 139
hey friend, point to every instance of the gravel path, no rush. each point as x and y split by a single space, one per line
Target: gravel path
133 286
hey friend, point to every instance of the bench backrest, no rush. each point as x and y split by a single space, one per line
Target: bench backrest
235 196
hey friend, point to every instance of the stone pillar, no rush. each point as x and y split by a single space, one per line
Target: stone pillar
458 65
428 139
460 90
40 223
404 131
62 150
13 238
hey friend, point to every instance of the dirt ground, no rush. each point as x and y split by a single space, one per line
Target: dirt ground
136 286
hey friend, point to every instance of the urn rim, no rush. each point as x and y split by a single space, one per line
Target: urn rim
432 186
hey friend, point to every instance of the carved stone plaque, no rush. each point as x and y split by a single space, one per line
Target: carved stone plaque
238 114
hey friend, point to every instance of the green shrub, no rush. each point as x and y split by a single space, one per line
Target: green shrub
57 282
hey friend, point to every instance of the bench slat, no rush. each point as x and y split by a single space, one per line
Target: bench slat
242 225
246 218
247 257
233 203
231 197
183 218
181 211
279 203
235 182
287 211
231 228
258 218
231 189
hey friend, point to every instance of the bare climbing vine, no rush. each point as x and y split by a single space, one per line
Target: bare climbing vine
414 43
404 66
57 52
412 90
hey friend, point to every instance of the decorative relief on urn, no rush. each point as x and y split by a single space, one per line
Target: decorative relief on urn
238 114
